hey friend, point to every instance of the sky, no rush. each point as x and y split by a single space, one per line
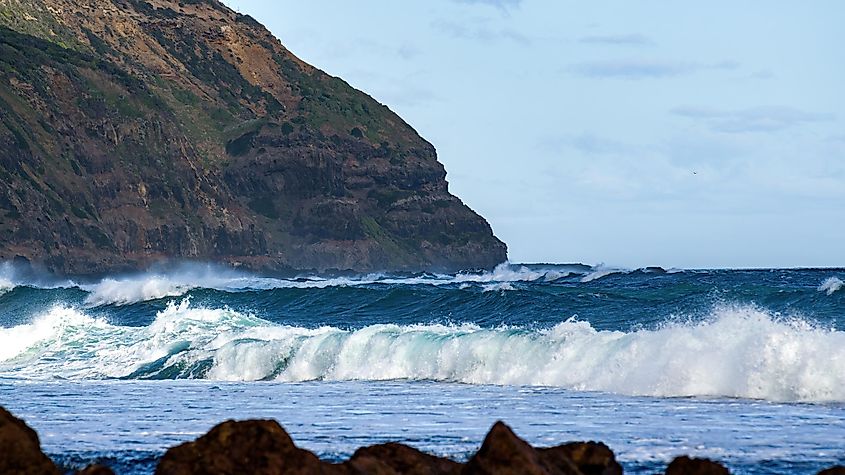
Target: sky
677 134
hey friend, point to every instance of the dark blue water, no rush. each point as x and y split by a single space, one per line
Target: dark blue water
743 366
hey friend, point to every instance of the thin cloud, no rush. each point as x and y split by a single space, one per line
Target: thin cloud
480 33
631 69
632 39
589 144
593 144
762 74
503 4
408 51
644 69
756 119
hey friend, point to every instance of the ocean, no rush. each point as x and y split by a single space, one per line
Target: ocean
743 366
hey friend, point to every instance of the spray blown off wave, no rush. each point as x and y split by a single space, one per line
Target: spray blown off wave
831 285
130 289
5 285
737 352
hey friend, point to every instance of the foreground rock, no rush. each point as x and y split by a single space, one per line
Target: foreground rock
693 466
504 453
262 447
133 131
257 447
390 459
20 449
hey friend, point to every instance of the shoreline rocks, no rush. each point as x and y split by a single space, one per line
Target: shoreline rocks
263 447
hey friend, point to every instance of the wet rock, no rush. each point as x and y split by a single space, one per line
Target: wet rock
20 449
591 458
394 459
835 470
257 447
503 453
693 466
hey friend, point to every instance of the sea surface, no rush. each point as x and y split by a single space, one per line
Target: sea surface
744 366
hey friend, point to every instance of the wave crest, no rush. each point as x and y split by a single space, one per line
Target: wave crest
737 352
831 285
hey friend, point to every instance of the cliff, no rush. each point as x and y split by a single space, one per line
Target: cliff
133 131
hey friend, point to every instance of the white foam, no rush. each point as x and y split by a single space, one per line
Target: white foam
598 274
497 287
831 285
7 280
737 352
176 283
131 290
6 285
47 334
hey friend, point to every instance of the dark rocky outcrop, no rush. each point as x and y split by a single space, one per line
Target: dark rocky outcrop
504 453
256 447
684 465
263 447
591 458
395 459
20 449
137 130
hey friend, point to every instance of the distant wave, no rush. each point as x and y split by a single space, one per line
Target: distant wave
498 286
598 274
175 283
6 278
831 285
5 285
737 352
178 281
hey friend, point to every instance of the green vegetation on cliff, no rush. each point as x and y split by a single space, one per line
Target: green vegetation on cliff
138 130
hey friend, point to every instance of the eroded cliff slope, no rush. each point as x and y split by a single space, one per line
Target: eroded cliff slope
137 130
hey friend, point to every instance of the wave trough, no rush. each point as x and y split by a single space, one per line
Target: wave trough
738 351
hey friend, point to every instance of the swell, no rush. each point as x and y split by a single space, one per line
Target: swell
737 351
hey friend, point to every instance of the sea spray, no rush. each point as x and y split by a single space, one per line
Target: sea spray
149 286
831 285
738 351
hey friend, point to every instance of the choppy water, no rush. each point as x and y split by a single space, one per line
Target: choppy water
744 366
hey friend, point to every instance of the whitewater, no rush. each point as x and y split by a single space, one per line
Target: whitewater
724 344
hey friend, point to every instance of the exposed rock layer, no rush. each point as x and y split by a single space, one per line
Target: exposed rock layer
136 130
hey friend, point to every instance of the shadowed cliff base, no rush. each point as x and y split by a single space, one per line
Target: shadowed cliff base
263 447
133 131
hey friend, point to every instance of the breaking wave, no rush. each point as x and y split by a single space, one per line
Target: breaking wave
175 283
831 285
5 285
738 351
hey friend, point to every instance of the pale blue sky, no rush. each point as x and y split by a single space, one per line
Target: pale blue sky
679 134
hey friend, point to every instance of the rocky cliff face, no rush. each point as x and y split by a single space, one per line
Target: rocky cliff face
137 130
